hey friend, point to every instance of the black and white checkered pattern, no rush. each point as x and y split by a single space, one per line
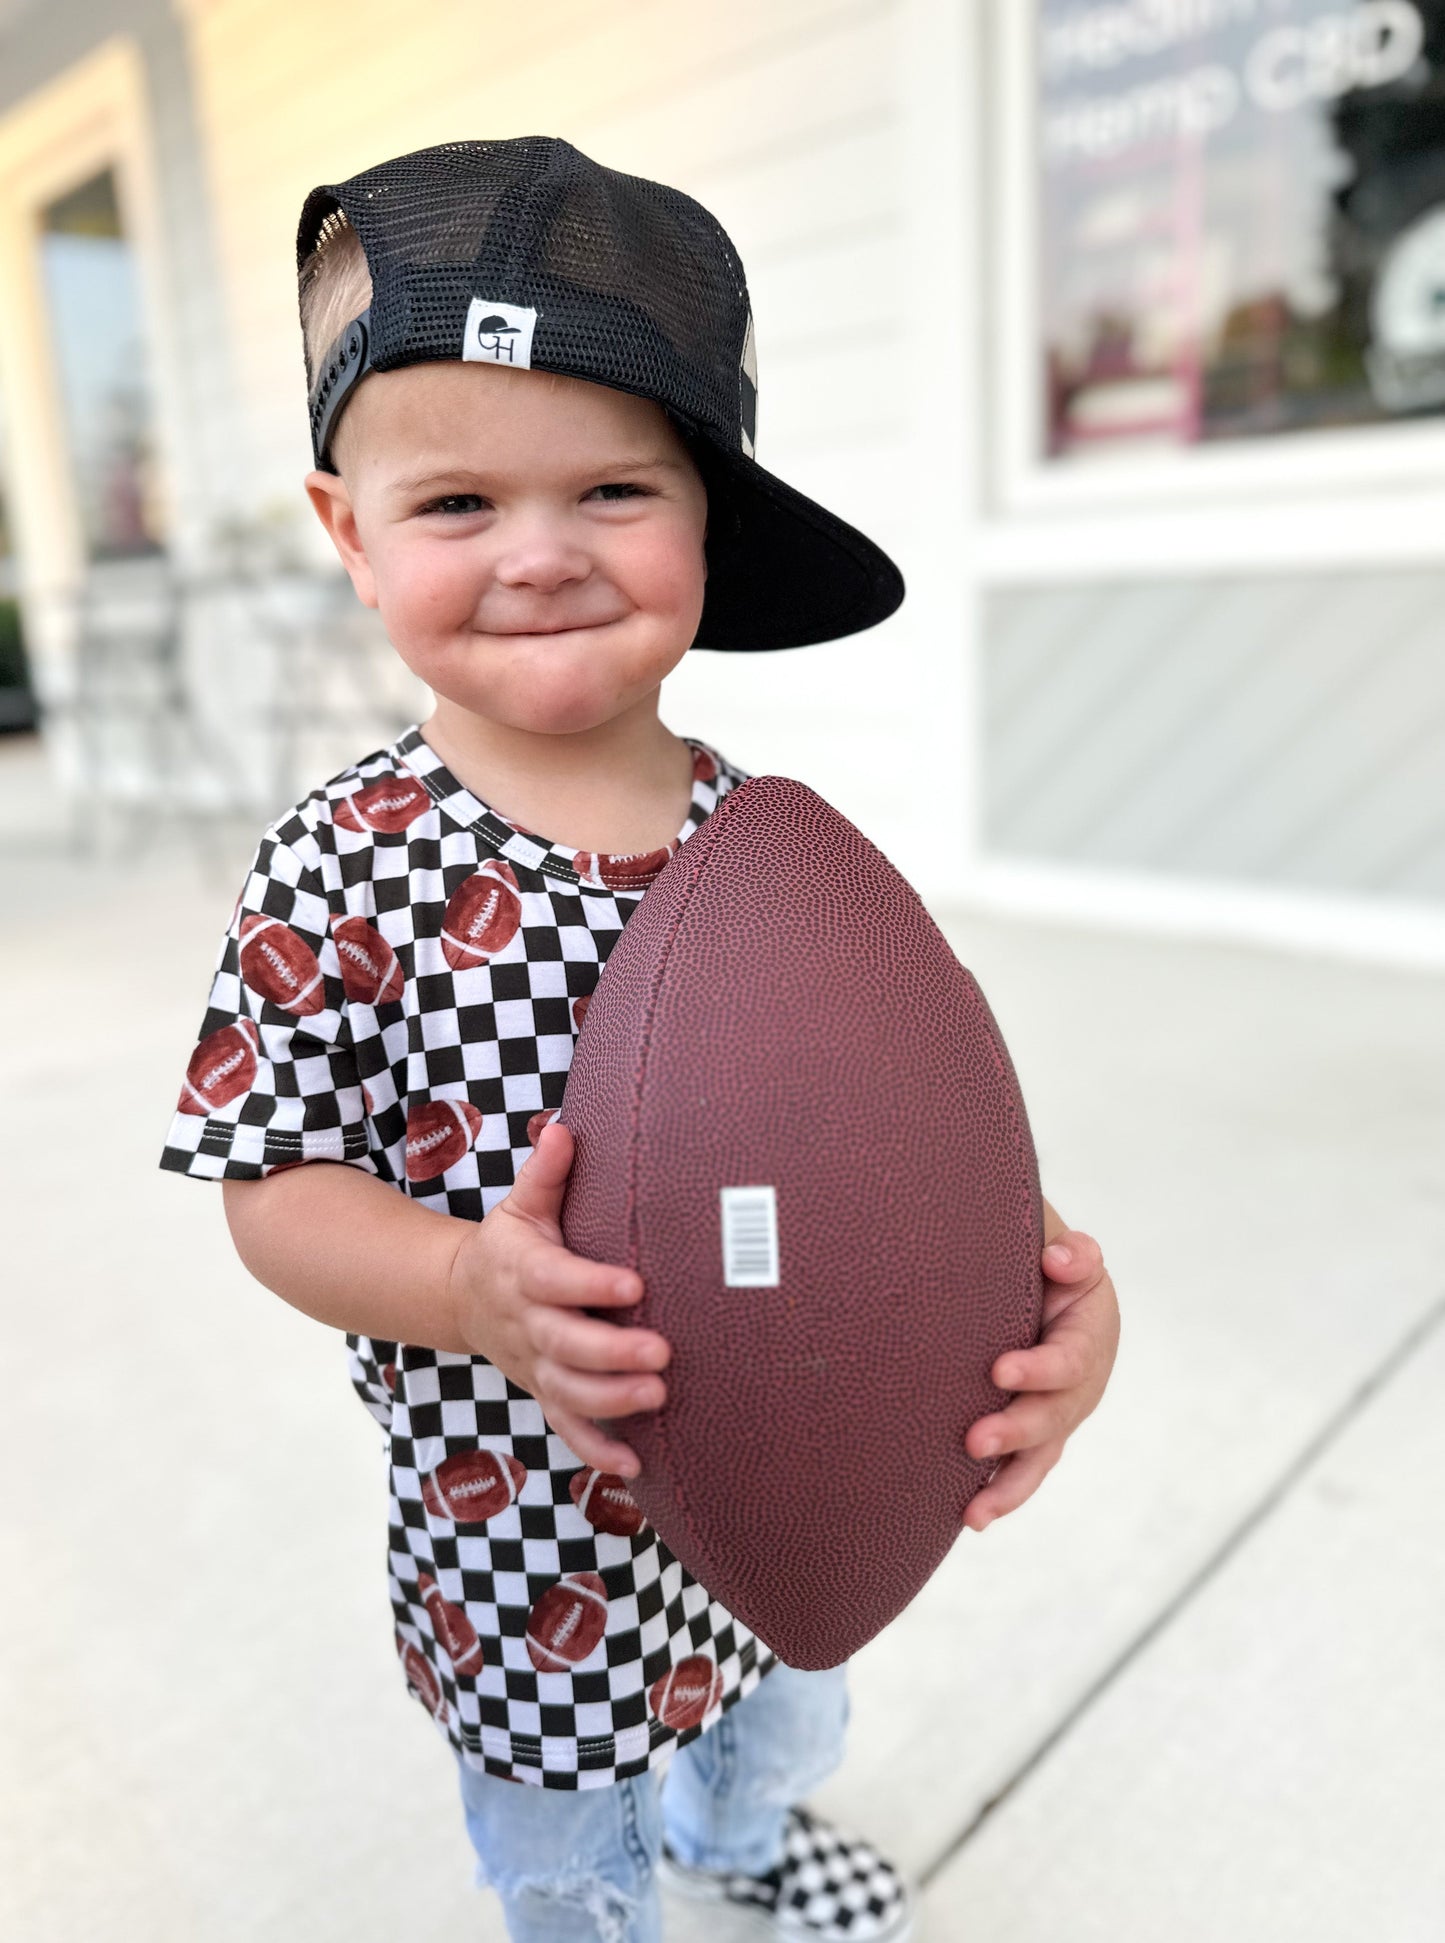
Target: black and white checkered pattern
828 1887
337 1084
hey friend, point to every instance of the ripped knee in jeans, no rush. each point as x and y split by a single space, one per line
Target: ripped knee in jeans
611 1910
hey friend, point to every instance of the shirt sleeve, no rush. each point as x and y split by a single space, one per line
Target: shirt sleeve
272 1080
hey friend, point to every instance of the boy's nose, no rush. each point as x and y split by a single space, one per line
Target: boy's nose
540 556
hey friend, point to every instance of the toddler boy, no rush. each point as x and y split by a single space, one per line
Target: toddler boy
544 535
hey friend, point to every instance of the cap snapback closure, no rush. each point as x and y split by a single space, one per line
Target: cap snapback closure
348 360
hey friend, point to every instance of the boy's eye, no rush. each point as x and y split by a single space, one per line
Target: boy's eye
450 501
453 504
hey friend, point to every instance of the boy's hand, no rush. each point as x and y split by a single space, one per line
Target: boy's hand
518 1295
1063 1377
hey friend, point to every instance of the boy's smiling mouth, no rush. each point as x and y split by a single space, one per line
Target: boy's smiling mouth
568 627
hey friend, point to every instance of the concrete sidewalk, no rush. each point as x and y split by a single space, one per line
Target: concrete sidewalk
1191 1691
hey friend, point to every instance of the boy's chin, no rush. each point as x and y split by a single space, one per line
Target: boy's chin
539 714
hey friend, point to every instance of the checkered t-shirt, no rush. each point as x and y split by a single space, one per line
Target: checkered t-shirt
400 988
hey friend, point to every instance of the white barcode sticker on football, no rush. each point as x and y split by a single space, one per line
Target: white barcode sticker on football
750 1237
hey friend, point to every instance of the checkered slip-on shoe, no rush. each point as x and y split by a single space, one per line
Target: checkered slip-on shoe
828 1888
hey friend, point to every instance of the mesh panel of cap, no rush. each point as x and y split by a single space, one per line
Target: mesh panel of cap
634 284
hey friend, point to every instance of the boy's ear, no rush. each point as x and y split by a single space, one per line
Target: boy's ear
329 494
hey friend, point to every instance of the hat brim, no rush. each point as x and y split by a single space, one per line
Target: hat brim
782 571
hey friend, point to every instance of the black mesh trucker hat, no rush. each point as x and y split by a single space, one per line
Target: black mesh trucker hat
525 252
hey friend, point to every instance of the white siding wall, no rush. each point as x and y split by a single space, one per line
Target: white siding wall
1279 731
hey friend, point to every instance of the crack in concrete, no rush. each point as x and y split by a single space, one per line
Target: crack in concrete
1414 1338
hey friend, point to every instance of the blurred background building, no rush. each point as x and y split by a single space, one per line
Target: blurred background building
1121 323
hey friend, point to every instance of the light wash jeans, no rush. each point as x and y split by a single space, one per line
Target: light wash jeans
576 1865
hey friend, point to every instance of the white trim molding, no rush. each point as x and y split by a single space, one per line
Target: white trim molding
1379 931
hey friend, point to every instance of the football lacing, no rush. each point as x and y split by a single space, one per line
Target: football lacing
359 955
225 1067
484 916
276 961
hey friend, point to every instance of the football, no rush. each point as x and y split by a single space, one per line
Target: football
473 1486
683 1696
795 1117
482 915
421 1679
389 805
606 1503
567 1621
278 964
221 1068
370 970
623 871
438 1133
454 1631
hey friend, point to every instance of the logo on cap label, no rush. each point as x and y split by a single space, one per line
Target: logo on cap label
498 333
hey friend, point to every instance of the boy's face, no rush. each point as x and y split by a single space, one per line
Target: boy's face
533 543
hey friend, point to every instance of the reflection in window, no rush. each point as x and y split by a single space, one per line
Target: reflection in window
100 356
1243 217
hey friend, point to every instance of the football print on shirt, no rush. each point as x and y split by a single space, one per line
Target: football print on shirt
624 871
278 964
438 1134
566 1623
482 916
222 1068
473 1486
606 1503
371 972
683 1697
455 1632
389 805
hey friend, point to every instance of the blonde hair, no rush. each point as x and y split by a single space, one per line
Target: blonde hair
333 286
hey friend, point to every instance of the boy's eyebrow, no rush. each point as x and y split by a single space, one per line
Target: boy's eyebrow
607 469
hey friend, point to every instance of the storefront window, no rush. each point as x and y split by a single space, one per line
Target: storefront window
1243 218
100 357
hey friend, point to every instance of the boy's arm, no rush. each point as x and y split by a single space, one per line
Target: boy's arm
348 1249
345 1247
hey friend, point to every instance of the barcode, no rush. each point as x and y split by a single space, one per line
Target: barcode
750 1237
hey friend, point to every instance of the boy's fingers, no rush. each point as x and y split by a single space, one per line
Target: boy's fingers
1072 1255
555 1274
592 1445
580 1343
537 1190
1048 1366
1018 1480
1022 1426
599 1396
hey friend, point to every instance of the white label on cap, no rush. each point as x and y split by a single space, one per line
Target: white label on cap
498 334
750 1237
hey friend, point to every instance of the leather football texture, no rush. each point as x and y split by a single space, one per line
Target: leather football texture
781 1013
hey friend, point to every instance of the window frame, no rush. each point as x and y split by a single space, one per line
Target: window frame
1233 481
88 119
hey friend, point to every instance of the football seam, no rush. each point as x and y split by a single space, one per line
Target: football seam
695 870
